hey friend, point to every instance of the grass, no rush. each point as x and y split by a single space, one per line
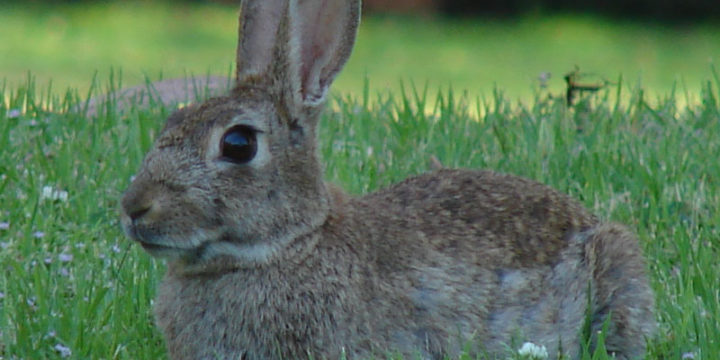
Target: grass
66 43
71 282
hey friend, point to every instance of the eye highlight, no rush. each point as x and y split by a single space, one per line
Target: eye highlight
238 144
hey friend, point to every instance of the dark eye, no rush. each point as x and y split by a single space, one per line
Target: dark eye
239 144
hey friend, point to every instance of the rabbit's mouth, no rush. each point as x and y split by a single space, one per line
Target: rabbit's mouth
149 247
147 240
164 245
164 251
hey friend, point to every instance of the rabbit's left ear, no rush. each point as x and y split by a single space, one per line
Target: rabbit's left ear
322 34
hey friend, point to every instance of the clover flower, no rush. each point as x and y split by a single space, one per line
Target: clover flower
529 350
49 193
63 350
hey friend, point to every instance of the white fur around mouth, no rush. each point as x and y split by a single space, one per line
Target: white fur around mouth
168 247
150 247
163 251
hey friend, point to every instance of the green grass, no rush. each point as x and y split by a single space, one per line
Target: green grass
67 43
69 278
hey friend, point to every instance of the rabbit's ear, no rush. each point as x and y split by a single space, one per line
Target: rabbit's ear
322 36
260 22
296 47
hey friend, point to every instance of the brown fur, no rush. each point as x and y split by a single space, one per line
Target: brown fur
268 261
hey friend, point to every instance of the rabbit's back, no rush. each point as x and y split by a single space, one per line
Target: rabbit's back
478 217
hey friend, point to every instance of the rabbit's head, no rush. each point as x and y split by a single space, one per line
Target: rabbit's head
238 176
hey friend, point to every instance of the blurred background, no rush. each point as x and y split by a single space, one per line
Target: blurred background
517 46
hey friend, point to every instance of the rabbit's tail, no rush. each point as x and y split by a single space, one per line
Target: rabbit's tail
621 290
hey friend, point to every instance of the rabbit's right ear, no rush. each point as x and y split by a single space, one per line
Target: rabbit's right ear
295 47
323 34
258 36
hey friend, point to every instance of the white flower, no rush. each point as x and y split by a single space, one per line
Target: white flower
39 234
63 350
65 257
532 351
53 194
13 113
4 225
688 356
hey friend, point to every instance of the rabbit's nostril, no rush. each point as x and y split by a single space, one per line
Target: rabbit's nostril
138 213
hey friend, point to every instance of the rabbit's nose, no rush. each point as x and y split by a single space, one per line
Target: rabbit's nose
137 201
135 214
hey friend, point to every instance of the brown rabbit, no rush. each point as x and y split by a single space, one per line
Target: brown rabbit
268 261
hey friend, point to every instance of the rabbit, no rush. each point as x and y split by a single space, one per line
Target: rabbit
268 261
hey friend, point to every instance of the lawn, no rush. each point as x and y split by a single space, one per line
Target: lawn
69 43
73 286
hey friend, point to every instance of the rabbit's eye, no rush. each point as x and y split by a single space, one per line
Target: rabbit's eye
239 144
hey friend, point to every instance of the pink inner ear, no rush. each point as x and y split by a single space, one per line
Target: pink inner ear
259 22
310 69
322 25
